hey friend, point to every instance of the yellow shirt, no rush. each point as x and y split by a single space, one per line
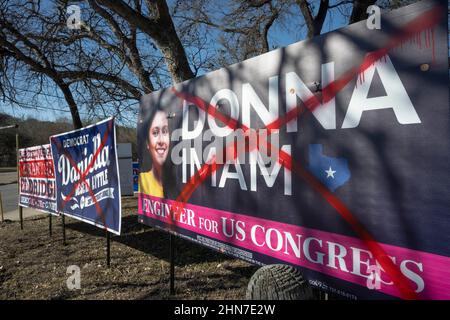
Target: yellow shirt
149 185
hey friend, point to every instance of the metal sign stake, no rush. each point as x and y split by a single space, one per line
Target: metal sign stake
64 229
1 206
172 264
108 249
50 224
21 217
18 181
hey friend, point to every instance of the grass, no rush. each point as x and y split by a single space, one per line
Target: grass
33 264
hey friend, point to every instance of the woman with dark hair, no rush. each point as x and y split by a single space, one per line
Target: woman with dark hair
157 143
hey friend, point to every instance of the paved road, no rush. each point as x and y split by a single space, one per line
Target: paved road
10 200
8 177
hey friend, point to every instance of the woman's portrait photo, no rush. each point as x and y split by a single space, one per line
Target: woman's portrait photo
157 146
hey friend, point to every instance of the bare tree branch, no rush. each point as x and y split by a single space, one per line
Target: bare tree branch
314 23
159 27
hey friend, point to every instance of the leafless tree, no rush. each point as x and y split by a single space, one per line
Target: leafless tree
36 46
314 22
126 48
157 23
242 27
25 60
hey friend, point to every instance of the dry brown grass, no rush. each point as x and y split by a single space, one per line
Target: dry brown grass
33 265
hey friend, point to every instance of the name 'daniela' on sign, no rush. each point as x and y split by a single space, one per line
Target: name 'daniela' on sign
70 173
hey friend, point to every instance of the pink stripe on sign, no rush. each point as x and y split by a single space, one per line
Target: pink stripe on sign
335 255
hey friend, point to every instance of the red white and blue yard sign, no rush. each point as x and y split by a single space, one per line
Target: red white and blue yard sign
37 187
87 179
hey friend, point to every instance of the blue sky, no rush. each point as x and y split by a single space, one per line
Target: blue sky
52 105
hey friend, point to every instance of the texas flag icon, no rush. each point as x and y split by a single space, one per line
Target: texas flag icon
332 172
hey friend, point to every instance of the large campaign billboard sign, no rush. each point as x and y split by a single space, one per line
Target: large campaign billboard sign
87 179
37 186
331 155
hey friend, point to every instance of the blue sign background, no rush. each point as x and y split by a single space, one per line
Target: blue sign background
135 176
80 149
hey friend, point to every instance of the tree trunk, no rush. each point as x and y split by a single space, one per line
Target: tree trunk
359 10
77 124
314 24
161 29
167 39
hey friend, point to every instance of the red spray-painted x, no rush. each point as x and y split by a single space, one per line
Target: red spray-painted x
427 20
84 174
